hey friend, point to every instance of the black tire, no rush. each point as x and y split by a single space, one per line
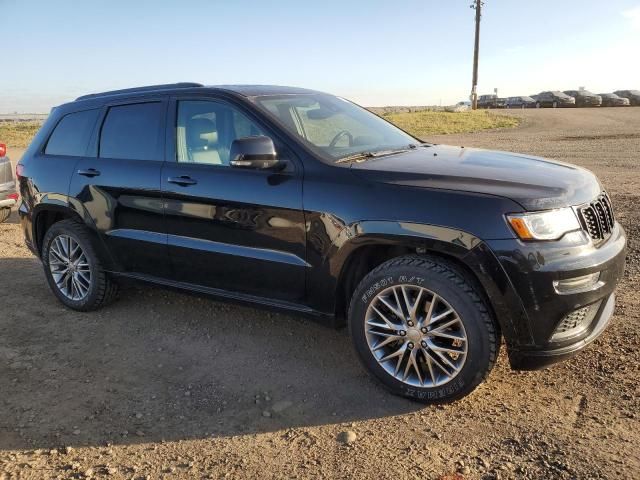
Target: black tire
450 283
102 289
4 214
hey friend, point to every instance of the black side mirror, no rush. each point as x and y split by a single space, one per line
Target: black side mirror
257 152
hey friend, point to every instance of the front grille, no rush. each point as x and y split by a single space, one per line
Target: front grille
575 322
597 218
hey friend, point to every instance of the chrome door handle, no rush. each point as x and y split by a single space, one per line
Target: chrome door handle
90 172
182 180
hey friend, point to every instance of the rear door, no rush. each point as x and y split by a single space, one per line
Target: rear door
231 228
118 186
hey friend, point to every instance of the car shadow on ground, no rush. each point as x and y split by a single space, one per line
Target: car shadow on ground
161 365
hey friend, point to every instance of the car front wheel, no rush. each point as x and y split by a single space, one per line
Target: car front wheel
420 327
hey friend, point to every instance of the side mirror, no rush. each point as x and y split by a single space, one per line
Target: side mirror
257 152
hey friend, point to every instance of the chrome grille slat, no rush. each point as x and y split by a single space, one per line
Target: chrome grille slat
604 228
597 218
606 203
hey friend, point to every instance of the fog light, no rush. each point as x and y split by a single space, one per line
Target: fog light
584 283
575 323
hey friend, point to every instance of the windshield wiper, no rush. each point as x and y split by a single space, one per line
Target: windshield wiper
361 156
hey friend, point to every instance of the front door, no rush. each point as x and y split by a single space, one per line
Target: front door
233 229
118 186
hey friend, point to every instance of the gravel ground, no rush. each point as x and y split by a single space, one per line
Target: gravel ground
167 385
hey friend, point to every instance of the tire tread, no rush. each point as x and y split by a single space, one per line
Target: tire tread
107 289
454 274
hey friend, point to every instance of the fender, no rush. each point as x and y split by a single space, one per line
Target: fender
70 208
464 248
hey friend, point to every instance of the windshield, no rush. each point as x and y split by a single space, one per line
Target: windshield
335 127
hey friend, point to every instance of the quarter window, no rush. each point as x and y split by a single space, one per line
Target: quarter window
133 132
206 129
71 135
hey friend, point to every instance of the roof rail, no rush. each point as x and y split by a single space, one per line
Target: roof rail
141 89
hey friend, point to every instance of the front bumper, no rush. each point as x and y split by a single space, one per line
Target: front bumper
532 269
537 359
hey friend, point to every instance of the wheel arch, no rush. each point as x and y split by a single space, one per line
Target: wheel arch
376 242
45 215
460 250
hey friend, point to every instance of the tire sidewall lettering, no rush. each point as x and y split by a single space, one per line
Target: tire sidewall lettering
388 281
438 393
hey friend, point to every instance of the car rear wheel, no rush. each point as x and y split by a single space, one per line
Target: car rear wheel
73 270
420 327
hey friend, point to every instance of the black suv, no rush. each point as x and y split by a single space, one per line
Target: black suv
585 98
613 100
554 99
632 95
301 201
520 102
490 101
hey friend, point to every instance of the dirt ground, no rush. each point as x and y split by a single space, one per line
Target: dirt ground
167 385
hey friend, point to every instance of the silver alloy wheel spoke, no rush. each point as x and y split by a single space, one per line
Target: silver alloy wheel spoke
415 335
70 268
384 318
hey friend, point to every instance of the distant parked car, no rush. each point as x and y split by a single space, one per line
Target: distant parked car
458 107
8 195
585 98
554 99
613 100
490 101
520 102
632 95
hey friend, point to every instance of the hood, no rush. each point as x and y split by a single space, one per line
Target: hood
535 183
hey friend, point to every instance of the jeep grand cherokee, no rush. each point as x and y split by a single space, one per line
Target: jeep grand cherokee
297 200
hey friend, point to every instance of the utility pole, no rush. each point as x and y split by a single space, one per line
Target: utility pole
477 5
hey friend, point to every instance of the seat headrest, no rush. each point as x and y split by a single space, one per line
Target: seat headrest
201 132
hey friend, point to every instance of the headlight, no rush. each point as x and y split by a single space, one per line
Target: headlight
549 225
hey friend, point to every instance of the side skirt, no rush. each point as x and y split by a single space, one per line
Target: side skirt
235 297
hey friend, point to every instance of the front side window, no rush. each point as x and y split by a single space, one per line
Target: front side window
335 127
71 135
133 132
206 129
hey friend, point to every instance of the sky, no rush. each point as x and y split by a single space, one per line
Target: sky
375 52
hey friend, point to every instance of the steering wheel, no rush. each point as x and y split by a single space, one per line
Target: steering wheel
339 135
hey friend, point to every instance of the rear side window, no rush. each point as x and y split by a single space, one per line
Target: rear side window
71 135
133 132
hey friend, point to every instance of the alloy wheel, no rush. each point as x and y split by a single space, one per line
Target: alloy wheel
69 267
416 336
